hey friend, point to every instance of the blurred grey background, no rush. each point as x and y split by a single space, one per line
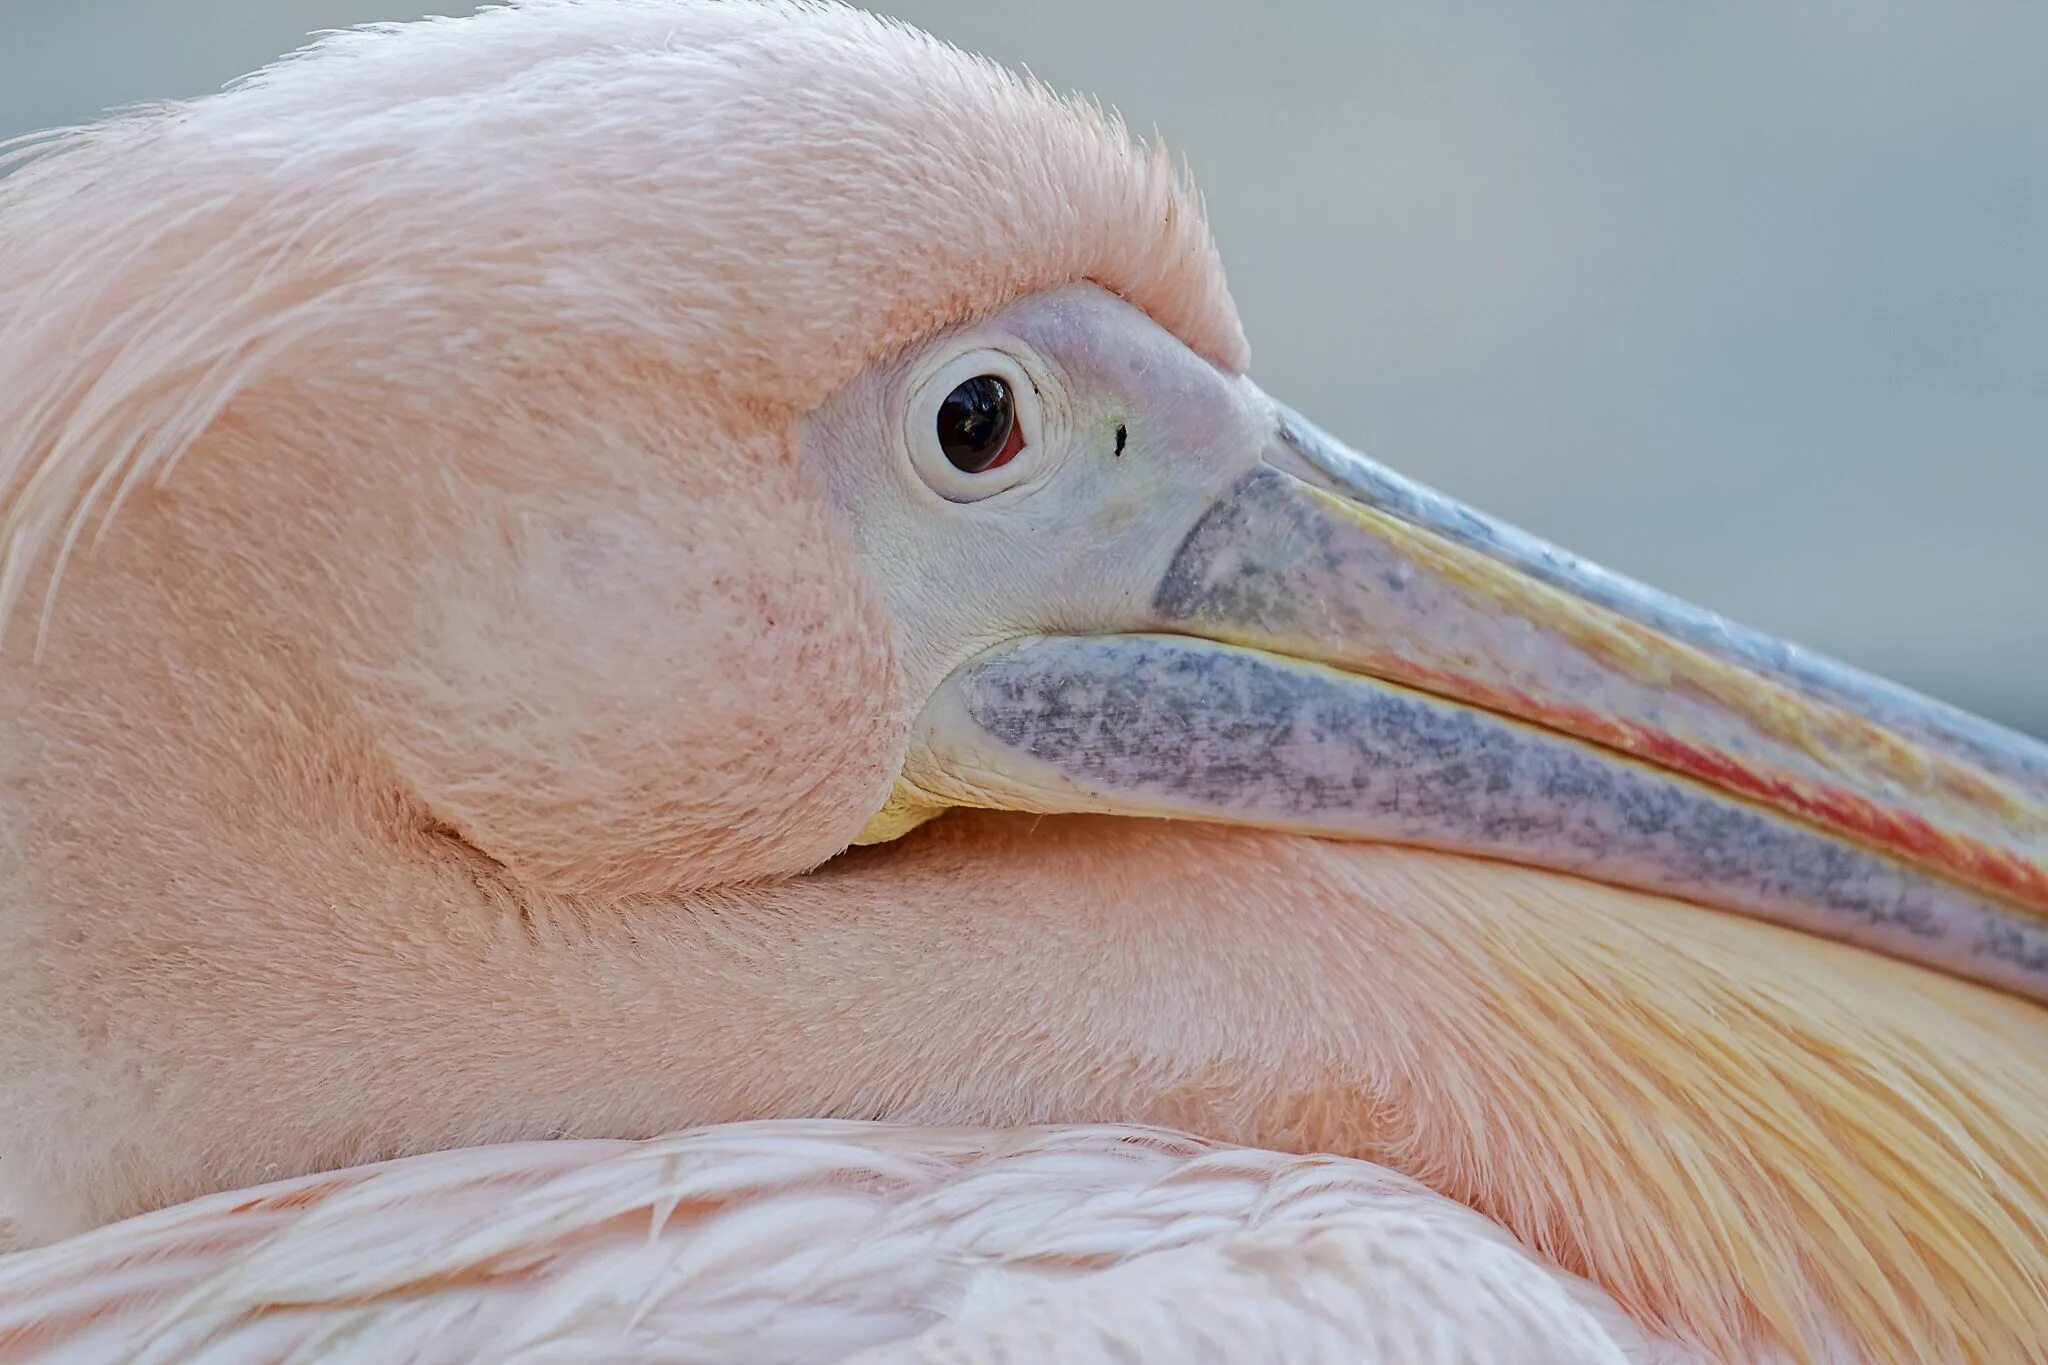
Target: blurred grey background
1747 299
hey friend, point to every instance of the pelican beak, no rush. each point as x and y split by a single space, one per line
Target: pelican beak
1337 651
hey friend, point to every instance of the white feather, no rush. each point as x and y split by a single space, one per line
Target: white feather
818 1241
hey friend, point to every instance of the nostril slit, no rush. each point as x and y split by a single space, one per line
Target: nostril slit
1121 435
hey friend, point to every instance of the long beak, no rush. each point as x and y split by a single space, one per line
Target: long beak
1338 651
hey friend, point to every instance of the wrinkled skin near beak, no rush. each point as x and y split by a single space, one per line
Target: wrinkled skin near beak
1337 651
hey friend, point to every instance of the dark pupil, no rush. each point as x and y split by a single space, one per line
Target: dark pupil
974 422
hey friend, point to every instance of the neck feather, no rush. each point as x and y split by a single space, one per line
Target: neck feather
1751 1138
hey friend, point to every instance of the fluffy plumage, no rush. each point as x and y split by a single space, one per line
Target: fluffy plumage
450 377
648 159
451 374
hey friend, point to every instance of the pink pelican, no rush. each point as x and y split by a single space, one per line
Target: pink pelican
496 511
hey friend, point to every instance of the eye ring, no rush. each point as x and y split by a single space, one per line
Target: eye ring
973 426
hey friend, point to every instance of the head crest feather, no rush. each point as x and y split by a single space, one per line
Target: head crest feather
762 194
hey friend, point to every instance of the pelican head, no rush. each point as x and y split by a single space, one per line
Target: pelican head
494 509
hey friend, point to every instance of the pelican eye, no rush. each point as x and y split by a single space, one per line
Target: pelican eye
974 424
977 425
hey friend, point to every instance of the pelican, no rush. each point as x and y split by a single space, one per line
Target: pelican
655 645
